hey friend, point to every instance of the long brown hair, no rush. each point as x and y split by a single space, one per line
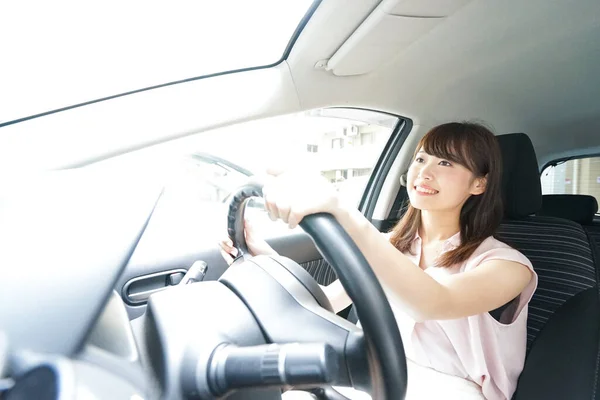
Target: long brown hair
476 148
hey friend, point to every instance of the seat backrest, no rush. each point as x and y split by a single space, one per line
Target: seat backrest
564 313
562 258
580 208
558 249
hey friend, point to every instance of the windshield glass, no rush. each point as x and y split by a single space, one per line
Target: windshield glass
65 53
342 145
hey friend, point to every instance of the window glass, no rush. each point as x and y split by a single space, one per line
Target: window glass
63 53
210 165
579 176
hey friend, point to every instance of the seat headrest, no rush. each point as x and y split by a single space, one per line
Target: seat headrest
521 185
580 208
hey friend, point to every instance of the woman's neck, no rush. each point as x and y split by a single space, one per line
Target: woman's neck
438 225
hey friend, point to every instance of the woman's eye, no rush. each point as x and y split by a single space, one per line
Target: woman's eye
419 159
445 163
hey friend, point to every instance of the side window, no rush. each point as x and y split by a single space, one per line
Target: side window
580 176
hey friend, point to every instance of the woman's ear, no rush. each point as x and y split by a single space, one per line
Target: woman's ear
479 185
403 180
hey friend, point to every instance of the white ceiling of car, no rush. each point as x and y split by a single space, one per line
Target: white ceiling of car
528 66
520 66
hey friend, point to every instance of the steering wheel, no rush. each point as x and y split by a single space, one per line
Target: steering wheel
386 375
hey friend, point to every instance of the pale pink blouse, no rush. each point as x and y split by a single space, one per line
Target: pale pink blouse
479 348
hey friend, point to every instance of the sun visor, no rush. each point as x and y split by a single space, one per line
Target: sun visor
387 31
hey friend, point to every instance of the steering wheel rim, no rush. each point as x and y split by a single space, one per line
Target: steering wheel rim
388 369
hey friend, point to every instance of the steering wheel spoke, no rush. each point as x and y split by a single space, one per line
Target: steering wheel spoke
287 312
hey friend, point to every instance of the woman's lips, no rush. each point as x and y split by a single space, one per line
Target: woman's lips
425 190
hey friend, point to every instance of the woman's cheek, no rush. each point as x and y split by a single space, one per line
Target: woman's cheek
454 182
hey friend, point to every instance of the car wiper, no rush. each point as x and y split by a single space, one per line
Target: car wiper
212 159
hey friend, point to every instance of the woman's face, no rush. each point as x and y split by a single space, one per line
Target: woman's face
435 184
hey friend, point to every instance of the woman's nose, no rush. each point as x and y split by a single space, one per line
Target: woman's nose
425 172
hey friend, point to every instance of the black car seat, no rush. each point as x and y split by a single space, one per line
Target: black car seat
580 208
563 325
564 313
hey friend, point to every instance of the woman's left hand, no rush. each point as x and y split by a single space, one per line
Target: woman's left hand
292 195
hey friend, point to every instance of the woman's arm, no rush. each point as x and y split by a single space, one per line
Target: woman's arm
336 293
337 296
290 196
485 288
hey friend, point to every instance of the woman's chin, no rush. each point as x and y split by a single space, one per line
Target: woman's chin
423 203
432 205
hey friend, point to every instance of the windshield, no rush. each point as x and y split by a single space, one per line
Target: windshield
65 53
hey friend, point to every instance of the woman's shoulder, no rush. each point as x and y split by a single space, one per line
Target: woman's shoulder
493 249
491 243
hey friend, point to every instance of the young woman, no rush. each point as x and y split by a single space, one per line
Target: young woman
459 295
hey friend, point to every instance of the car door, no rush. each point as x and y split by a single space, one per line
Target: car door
352 148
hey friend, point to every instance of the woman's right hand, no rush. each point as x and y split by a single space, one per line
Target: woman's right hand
256 244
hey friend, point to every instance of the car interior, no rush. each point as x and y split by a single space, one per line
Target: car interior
93 254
